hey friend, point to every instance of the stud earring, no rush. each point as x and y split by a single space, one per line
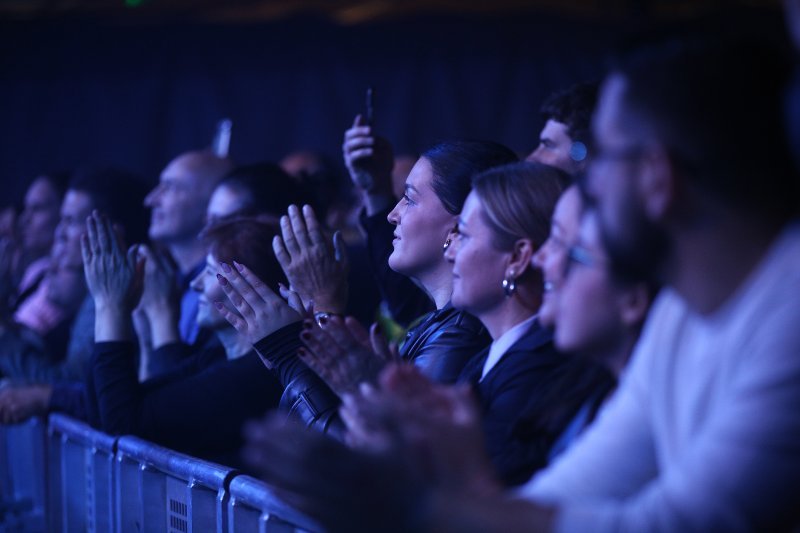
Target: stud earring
447 244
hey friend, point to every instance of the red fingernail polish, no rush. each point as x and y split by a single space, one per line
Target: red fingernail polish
238 266
225 268
221 279
306 336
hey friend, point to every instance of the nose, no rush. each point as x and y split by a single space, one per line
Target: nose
197 283
394 215
152 196
540 257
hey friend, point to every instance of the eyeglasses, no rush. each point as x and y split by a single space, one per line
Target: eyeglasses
579 255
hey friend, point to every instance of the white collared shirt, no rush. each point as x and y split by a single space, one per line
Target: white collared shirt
506 341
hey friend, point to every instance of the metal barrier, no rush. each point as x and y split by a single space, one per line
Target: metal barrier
162 490
68 477
22 476
254 508
80 477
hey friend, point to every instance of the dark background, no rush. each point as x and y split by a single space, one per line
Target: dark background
134 87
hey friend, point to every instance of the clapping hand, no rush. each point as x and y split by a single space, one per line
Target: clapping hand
260 311
315 265
112 276
342 353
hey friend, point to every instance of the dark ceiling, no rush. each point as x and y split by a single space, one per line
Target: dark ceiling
354 11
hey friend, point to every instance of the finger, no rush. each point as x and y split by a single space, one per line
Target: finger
358 140
340 250
378 342
289 240
235 297
358 332
335 328
91 234
299 227
361 153
293 299
236 321
283 257
313 227
133 257
241 272
103 236
86 251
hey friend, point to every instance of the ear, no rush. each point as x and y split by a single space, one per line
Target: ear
520 260
634 303
657 183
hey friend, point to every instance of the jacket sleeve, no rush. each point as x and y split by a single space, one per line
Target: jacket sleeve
306 396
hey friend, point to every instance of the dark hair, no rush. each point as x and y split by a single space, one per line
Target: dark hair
269 189
247 241
518 201
455 162
119 195
573 107
716 105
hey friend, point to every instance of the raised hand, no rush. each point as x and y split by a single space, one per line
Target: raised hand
369 160
315 265
160 300
110 273
260 311
439 423
340 352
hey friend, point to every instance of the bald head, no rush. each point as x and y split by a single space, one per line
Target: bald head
180 199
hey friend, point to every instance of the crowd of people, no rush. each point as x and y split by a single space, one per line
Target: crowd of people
600 337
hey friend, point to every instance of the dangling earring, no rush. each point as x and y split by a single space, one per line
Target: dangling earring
509 284
447 244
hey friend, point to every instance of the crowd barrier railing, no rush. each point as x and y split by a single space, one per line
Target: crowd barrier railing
23 476
252 508
80 477
62 475
162 490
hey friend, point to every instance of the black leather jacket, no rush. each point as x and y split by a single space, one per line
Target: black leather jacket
443 342
440 346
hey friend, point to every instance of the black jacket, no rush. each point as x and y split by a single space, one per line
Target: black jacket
440 345
528 398
443 342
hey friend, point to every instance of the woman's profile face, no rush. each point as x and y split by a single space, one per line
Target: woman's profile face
422 225
587 313
478 267
551 258
207 285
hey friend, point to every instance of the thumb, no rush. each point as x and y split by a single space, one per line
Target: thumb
359 121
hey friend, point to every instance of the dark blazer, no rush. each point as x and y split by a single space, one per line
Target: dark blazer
527 400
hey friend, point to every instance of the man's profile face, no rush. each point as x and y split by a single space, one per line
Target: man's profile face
635 244
554 148
178 204
77 205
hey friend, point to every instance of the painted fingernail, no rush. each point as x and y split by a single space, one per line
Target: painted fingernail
307 324
221 279
306 336
218 305
301 353
238 266
225 268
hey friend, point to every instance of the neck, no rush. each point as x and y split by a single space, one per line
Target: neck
235 345
437 284
712 258
187 254
512 311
